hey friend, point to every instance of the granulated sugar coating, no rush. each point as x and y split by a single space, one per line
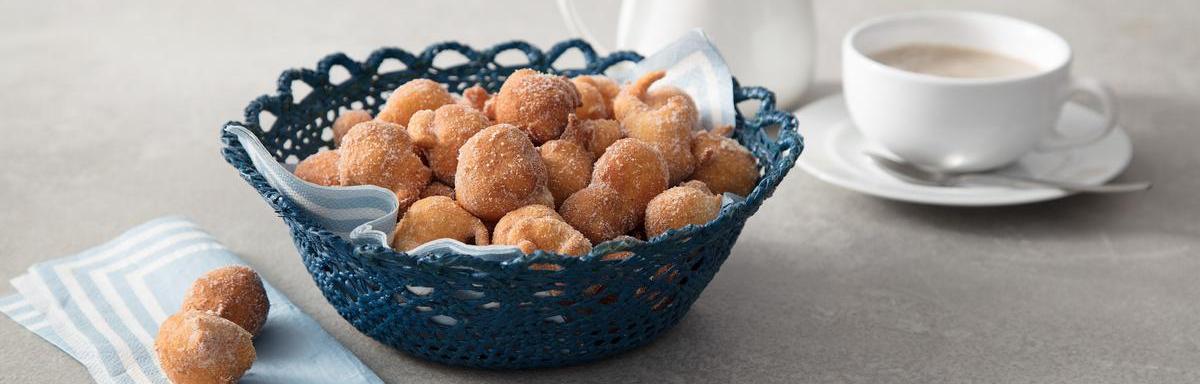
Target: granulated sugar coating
348 120
502 234
568 168
196 347
499 170
235 293
666 124
723 164
634 169
550 235
379 153
475 97
441 133
607 88
537 227
597 151
320 168
595 135
438 217
690 203
413 96
595 104
599 213
437 189
537 103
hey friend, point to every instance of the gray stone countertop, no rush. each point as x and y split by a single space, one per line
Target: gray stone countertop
110 114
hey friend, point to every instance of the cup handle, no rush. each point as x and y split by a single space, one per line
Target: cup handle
1108 106
575 23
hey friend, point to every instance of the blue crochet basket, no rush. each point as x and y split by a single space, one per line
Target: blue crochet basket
539 310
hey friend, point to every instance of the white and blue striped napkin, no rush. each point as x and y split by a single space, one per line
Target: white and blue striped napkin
103 307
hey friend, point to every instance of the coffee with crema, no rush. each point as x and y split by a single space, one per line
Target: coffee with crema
952 61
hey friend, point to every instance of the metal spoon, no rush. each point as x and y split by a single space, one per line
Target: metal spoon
917 175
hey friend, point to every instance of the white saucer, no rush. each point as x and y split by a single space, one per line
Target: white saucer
834 153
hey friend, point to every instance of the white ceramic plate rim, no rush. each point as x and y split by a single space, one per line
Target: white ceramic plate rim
826 117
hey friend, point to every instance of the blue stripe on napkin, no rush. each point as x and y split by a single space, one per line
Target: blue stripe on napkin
103 307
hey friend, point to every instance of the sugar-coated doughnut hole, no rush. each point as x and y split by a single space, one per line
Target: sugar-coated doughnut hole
438 217
537 103
568 168
235 293
634 169
607 87
348 120
537 227
502 232
499 170
475 97
689 203
666 122
442 132
594 104
382 154
196 347
595 135
436 188
723 164
413 96
320 168
599 212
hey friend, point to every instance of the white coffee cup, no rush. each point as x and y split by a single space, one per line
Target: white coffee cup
965 124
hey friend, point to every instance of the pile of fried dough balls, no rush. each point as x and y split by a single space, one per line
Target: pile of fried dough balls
210 339
547 163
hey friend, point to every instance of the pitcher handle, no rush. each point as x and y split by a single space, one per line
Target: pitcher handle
574 22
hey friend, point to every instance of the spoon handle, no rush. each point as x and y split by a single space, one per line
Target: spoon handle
1066 186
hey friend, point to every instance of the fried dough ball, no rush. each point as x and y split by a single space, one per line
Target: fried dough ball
348 120
438 217
666 123
696 184
499 170
595 135
413 96
475 97
441 133
568 168
597 104
437 189
661 94
489 109
723 164
537 103
537 227
689 203
235 293
635 169
196 347
320 168
550 235
502 234
379 153
607 88
599 213
645 99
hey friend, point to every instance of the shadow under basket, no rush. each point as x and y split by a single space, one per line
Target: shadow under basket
523 311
